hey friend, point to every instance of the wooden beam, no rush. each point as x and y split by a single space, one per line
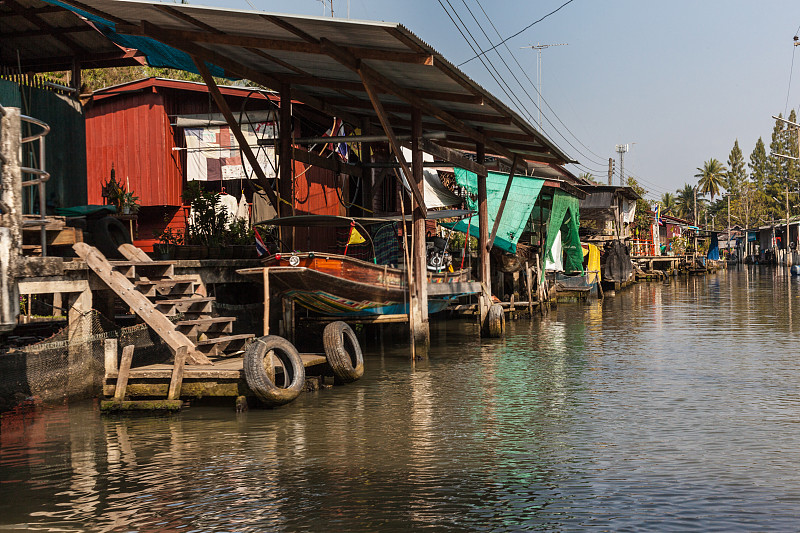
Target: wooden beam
346 85
407 109
332 163
236 68
94 11
41 24
376 79
418 225
43 32
285 164
387 128
483 221
247 41
502 207
453 157
237 132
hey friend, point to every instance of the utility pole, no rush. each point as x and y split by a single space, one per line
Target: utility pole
621 149
788 179
610 170
539 47
729 225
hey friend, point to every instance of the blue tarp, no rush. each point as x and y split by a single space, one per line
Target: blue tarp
158 54
521 198
713 248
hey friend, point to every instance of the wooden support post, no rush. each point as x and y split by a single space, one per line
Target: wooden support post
177 374
393 142
111 351
57 304
285 161
265 274
528 280
422 330
236 130
75 78
484 269
124 372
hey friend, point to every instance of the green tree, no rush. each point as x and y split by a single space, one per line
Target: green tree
748 206
712 177
758 164
737 172
684 202
776 170
668 203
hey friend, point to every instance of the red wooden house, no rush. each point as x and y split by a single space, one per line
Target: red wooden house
138 128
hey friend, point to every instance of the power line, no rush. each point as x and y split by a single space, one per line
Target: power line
533 101
520 31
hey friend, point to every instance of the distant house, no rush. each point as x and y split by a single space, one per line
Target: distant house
611 210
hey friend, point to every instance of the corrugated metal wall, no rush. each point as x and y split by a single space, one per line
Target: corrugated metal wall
65 144
133 133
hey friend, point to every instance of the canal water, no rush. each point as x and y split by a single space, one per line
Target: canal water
665 407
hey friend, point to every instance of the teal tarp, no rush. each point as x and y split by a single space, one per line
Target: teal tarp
85 210
564 218
158 54
521 198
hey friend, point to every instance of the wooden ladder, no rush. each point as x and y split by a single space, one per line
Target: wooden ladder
153 291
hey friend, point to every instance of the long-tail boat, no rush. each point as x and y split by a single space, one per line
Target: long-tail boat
337 285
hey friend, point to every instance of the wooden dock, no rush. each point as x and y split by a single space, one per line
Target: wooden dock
223 378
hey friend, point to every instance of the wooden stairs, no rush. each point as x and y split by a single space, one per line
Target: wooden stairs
153 291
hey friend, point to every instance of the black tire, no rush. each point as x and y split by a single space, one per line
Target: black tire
497 321
347 364
108 233
294 373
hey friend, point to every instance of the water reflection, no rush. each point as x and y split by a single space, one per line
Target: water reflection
669 406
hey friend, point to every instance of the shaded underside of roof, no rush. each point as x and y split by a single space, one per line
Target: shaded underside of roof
326 61
38 37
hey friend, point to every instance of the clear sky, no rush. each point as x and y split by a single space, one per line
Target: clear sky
680 79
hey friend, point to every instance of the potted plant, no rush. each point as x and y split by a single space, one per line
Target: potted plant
206 227
168 241
129 203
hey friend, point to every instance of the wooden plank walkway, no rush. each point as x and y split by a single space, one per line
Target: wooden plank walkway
228 368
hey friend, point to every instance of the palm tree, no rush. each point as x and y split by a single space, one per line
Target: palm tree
712 177
668 203
684 202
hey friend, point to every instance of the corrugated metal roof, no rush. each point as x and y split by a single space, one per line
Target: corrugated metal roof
322 59
38 37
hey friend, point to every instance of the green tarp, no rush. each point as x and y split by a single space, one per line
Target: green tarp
521 198
564 217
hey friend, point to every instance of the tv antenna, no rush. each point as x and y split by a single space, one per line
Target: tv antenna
539 47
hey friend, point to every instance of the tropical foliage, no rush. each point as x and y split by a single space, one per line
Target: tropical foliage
757 187
712 178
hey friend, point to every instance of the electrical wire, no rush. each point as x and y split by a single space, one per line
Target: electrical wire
519 32
535 88
791 70
521 108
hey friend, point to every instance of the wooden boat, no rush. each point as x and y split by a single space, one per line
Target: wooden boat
337 285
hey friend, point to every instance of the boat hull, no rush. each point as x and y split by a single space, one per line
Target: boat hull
335 285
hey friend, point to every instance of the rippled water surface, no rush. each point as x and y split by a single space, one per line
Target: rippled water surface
666 407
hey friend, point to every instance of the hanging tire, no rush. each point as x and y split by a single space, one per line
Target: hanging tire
255 370
343 352
108 233
497 321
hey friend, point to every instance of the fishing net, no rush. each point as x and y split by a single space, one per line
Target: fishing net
70 363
